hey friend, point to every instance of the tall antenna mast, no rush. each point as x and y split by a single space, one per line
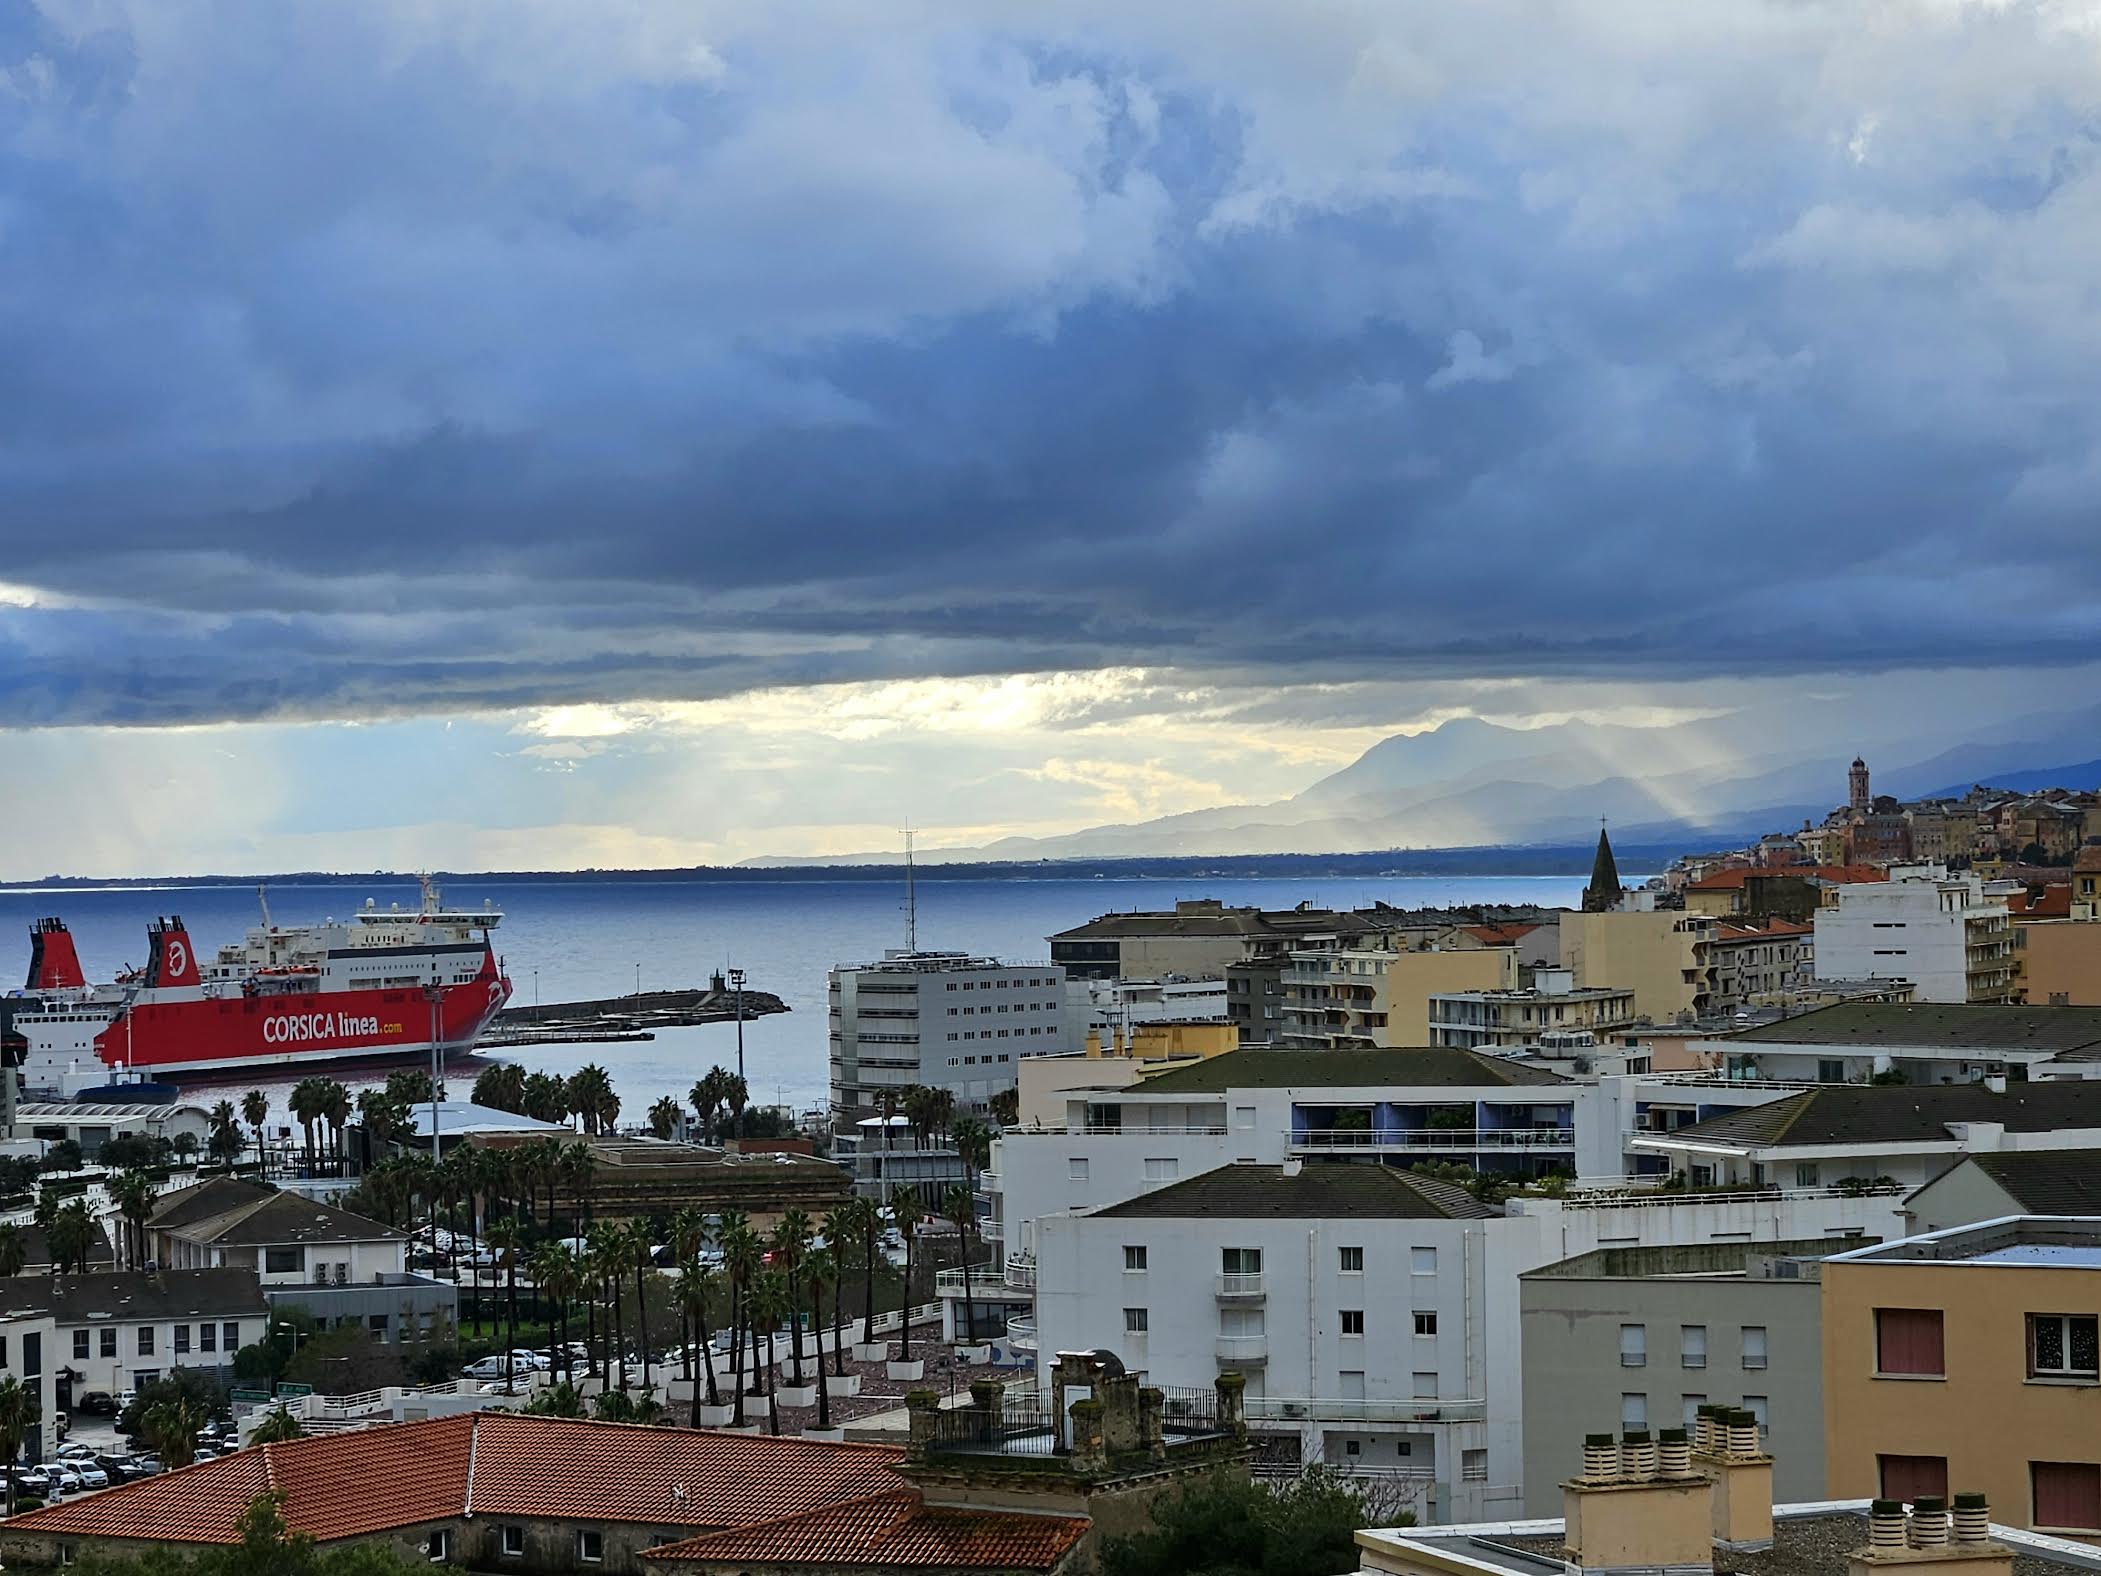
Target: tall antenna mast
911 899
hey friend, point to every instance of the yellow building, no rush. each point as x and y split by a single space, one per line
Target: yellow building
1380 1000
1970 1358
2057 962
1115 1063
1665 958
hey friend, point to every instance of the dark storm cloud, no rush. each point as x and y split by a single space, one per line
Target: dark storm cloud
360 361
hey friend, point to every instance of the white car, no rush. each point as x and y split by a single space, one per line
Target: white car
76 1452
64 1480
90 1475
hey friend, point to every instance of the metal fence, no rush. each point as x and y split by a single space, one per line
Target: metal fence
1015 1432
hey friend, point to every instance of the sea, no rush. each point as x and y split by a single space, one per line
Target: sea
577 939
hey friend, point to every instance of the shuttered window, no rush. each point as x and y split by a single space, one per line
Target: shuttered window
1907 1477
2067 1493
1908 1341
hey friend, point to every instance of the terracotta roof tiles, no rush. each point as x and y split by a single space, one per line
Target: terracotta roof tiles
1729 880
891 1530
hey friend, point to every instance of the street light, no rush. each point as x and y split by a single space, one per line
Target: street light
737 984
434 993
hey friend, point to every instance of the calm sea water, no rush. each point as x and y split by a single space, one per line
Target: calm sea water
572 940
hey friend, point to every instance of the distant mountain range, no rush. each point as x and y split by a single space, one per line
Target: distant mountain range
1475 784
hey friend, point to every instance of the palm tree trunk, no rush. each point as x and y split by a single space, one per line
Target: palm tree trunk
737 1352
773 1407
795 1324
707 1358
824 1390
838 1325
868 1288
511 1297
617 1355
642 1317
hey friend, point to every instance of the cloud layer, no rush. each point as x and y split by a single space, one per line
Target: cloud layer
375 359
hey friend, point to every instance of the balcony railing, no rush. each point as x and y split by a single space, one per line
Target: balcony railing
1356 1409
1021 1333
1240 1287
1020 1272
984 1280
1644 1198
1245 1349
1440 1138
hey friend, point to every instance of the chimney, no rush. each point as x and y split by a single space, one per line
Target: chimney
1972 1551
1743 1480
1628 1509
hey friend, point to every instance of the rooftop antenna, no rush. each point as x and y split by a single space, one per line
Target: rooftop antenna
911 899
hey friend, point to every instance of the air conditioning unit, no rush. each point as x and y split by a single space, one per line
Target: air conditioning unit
1295 1409
342 1274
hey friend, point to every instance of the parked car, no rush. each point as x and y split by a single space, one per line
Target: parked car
121 1469
147 1465
96 1403
64 1480
490 1367
33 1480
76 1452
90 1475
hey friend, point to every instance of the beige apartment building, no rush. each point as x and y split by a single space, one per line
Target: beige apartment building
1369 998
1667 959
1970 1358
2057 962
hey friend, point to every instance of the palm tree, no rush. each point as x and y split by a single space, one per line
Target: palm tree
959 1204
694 1286
736 1094
14 1252
869 1219
305 1104
71 1233
1005 1108
133 1194
663 1117
591 1097
383 1116
226 1141
335 1111
838 1226
255 1109
704 1096
20 1411
769 1302
688 1231
579 1171
554 1274
820 1270
501 1087
791 1245
740 1260
973 1141
641 1254
507 1239
277 1426
608 1254
904 1211
171 1426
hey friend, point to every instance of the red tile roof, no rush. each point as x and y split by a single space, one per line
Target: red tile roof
490 1463
893 1530
1771 930
1504 935
2053 902
1730 880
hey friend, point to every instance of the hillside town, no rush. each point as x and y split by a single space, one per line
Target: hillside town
1628 1229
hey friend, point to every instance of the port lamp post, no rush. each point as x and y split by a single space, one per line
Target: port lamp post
737 985
434 993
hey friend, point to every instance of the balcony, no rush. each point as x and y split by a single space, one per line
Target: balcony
1240 1288
1356 1409
1243 1351
1439 1138
1021 1334
1020 1272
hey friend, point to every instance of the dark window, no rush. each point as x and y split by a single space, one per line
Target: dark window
590 1547
32 1356
1907 1477
514 1537
1908 1341
283 1261
229 1336
107 1342
2062 1346
207 1337
145 1340
2067 1493
182 1338
80 1343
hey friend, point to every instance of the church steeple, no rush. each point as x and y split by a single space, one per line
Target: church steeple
1603 893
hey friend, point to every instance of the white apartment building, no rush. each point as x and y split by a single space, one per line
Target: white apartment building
1554 1012
1375 1314
1941 932
1919 1042
946 1020
69 1336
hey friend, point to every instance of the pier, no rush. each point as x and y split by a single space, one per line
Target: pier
617 1018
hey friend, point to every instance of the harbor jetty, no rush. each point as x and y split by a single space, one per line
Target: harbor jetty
629 1017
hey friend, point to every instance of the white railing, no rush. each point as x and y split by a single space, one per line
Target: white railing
1243 1348
983 1277
1240 1285
1020 1272
1356 1409
1638 1198
1133 1130
1440 1138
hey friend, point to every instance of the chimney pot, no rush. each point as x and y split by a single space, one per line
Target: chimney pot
1601 1458
1638 1455
1929 1522
1886 1524
1743 1433
1673 1453
1973 1518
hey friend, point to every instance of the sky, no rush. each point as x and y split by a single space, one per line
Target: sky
520 433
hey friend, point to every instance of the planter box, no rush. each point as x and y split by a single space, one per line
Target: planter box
843 1388
715 1416
796 1395
835 1436
871 1351
974 1354
915 1369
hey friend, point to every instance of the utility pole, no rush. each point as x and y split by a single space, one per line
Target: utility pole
911 898
434 993
737 985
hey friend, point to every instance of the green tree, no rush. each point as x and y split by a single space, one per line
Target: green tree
663 1117
791 1245
838 1231
255 1110
508 1241
1006 1107
411 1086
20 1411
501 1087
72 1235
224 1142
557 1400
820 1270
741 1260
904 1210
170 1426
64 1155
133 1193
14 1251
277 1426
1227 1527
546 1098
959 1204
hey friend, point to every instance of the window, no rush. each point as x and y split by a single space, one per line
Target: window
1133 1259
2067 1493
1352 1321
106 1342
376 1327
1691 1413
182 1339
590 1548
438 1546
145 1340
1425 1387
514 1540
1351 1447
1352 1384
1076 1169
1692 1346
283 1261
1426 1324
1830 1070
1755 1405
2061 1346
1241 1261
229 1336
1134 1321
1352 1260
1754 1346
1807 1174
80 1343
1244 1118
1162 1170
1908 1477
207 1337
1473 1466
1634 1346
1907 1341
1422 1261
1634 1410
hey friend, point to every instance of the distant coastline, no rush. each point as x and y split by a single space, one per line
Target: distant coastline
1560 860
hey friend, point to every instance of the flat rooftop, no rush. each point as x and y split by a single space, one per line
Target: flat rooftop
2061 1242
1936 1025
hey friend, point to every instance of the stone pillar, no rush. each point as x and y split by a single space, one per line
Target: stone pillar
923 1406
1089 1453
988 1404
1232 1414
1119 1398
1152 1422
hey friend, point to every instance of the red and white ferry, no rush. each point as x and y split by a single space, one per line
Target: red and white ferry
383 985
